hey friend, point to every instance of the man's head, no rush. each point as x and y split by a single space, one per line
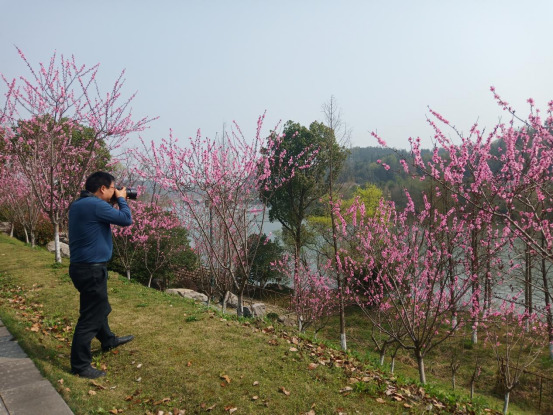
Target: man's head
101 184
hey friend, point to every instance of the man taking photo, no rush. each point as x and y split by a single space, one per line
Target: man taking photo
90 244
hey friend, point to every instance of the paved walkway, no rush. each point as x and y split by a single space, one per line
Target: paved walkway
23 390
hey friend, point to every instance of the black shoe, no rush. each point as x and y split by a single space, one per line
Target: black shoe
90 373
118 342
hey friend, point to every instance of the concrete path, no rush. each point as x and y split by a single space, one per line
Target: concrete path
23 390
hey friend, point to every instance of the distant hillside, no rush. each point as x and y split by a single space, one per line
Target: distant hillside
362 167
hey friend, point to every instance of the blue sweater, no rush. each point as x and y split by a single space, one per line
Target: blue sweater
90 230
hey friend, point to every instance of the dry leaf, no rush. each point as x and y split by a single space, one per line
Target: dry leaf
256 383
226 378
284 391
406 405
92 382
60 381
162 401
293 349
113 411
211 408
312 366
138 379
138 366
255 398
380 400
311 412
189 364
91 392
346 389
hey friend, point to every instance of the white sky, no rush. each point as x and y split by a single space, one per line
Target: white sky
199 64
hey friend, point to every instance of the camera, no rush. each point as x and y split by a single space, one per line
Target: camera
131 194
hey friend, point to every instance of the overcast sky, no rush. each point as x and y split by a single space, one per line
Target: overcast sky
200 64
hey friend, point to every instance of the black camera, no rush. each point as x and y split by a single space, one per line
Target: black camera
131 194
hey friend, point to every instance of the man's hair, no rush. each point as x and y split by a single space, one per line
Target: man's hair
97 180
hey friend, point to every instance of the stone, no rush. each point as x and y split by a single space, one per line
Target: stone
259 310
64 248
5 227
231 299
187 293
287 321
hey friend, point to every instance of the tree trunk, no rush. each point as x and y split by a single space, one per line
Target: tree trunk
547 295
475 286
420 363
506 402
33 238
57 242
240 308
225 299
472 383
453 380
26 235
128 273
393 364
11 230
382 356
528 280
150 281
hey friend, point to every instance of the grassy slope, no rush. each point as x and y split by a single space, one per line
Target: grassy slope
183 356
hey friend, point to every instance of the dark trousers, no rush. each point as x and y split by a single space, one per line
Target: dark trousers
91 281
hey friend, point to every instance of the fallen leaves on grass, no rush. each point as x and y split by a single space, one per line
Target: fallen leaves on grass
98 386
284 391
208 408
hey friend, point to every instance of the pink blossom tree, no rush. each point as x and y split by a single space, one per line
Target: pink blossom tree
57 124
403 270
146 239
504 177
517 339
18 202
314 299
223 177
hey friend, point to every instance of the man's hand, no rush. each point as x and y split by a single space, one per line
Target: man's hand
121 193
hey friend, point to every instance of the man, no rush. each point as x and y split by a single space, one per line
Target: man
91 247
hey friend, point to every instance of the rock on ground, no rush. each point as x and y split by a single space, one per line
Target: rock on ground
186 293
64 248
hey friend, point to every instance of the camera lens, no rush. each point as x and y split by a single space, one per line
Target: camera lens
132 193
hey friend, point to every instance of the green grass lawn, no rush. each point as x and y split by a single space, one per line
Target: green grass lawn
186 357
